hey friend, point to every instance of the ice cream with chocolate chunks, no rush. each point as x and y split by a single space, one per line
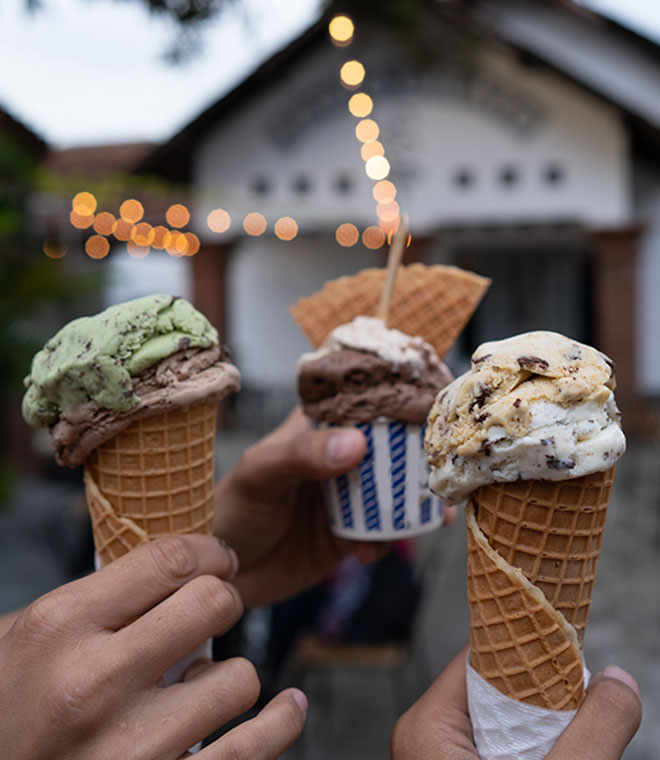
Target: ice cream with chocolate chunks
100 373
537 406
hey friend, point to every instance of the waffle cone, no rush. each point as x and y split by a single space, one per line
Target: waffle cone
535 542
518 642
154 478
432 301
552 532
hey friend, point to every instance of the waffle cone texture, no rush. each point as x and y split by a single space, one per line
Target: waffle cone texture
155 478
532 553
435 302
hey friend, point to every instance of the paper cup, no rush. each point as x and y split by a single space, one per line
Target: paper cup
388 496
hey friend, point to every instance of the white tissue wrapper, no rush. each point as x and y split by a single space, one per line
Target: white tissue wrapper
505 729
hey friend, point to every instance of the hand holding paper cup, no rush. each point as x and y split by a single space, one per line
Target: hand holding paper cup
528 438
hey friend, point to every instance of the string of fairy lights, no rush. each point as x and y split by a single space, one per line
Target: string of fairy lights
140 237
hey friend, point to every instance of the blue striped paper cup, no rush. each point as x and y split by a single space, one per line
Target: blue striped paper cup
387 496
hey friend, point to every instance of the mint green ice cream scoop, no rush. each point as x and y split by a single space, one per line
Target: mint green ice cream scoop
94 358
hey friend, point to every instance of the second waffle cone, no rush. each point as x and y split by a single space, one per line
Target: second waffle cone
155 478
543 540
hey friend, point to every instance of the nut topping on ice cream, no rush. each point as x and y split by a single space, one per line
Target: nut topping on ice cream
365 370
537 406
98 374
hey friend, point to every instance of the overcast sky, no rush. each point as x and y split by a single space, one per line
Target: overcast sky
90 71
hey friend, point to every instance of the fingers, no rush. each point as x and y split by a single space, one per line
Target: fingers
205 607
265 737
606 722
144 577
296 451
211 695
437 725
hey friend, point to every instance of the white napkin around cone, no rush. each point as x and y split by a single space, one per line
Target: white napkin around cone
506 729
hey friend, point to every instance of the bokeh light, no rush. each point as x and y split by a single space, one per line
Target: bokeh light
160 237
341 30
286 228
137 251
81 222
360 105
373 237
97 247
123 230
218 220
377 167
255 223
192 243
367 130
177 245
384 191
371 149
347 235
177 215
54 248
143 234
104 223
352 73
84 204
389 211
131 211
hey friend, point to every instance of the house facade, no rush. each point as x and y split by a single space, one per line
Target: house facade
523 140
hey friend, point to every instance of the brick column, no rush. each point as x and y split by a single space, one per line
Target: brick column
209 294
615 262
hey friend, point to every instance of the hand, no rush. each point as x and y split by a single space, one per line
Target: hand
270 508
82 666
438 726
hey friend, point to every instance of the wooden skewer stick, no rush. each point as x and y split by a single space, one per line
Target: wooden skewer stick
393 260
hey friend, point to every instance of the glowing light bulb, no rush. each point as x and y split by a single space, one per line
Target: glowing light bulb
255 223
84 204
81 222
347 235
360 105
54 249
352 73
367 130
389 211
370 149
123 230
218 220
143 234
373 237
104 223
160 237
384 191
192 243
97 247
177 215
341 30
377 167
137 251
286 228
131 211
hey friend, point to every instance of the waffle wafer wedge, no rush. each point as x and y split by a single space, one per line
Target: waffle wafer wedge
518 642
152 479
432 301
552 532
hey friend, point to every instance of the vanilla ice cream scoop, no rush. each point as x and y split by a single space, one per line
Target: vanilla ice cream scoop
537 406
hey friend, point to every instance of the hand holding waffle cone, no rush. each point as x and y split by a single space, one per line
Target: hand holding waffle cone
528 438
132 394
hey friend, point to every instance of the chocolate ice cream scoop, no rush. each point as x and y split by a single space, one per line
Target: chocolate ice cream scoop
365 370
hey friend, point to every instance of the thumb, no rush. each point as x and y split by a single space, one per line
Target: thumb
606 721
297 451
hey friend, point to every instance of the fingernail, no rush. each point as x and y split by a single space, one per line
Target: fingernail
343 447
612 671
300 699
235 564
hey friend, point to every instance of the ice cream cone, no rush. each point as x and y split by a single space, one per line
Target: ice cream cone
552 531
154 478
533 548
432 301
518 642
